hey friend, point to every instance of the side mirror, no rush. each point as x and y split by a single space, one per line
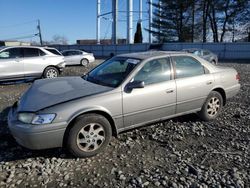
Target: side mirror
133 85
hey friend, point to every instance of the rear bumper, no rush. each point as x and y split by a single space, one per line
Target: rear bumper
91 59
33 136
232 91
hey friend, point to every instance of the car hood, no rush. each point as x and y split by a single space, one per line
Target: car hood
48 92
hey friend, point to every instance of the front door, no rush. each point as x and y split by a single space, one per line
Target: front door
156 100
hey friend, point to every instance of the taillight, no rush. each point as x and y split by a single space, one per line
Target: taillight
238 77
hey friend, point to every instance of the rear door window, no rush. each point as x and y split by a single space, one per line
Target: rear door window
187 67
31 52
65 53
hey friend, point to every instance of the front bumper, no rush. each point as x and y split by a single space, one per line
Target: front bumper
36 136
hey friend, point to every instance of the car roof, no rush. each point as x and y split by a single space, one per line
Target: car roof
150 54
71 50
47 47
191 49
39 47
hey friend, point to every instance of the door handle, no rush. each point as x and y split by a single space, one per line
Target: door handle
209 82
169 90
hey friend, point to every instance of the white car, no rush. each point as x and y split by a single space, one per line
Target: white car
29 62
77 57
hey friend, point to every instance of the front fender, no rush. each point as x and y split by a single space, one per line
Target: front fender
88 110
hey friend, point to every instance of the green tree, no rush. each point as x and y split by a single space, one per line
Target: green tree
138 34
195 20
171 21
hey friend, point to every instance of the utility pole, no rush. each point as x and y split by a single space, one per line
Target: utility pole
98 21
150 20
140 11
114 21
129 22
39 32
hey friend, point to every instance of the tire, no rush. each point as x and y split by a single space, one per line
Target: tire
84 62
90 134
50 72
212 106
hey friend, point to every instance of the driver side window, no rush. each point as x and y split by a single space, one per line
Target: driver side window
155 71
11 53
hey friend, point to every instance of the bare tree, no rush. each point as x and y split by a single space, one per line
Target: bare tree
59 39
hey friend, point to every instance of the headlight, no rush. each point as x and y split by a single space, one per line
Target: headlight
36 119
26 117
43 119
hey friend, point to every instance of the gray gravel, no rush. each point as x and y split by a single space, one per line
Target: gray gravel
180 152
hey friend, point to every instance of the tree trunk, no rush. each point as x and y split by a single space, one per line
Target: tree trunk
193 12
181 23
213 23
205 10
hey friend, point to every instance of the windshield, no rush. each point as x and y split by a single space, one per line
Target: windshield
112 72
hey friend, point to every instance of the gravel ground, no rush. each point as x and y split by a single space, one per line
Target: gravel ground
181 152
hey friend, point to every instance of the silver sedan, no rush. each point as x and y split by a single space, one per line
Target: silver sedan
205 54
77 57
122 93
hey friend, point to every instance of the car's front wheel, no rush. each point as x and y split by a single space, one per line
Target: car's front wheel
84 62
89 135
50 72
212 106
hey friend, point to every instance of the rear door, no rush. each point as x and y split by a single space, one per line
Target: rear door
193 83
34 62
11 64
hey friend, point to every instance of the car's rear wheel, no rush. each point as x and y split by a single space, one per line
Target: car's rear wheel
50 72
84 62
212 106
89 135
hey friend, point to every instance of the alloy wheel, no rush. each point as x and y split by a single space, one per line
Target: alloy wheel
51 73
90 137
213 106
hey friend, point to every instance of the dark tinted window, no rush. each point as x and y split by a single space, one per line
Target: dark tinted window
41 53
206 52
64 53
187 67
155 71
11 53
53 51
74 53
31 52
